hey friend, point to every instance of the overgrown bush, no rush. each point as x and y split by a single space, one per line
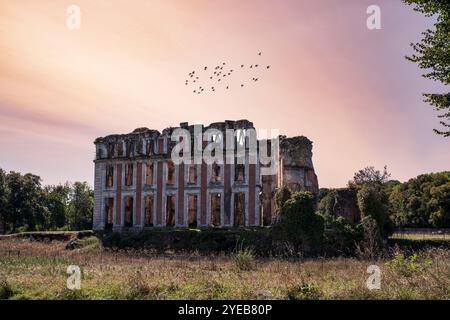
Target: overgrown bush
344 235
282 195
304 291
407 265
369 247
6 290
299 224
373 202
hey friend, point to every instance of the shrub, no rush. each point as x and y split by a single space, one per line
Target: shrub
282 195
244 257
407 266
344 235
370 245
91 243
307 291
373 202
22 229
299 224
6 291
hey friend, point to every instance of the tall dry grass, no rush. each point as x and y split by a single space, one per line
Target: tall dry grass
37 270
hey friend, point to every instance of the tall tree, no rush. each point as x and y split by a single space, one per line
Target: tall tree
369 175
432 53
25 201
4 196
56 199
81 206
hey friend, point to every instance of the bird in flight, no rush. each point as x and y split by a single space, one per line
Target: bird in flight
220 73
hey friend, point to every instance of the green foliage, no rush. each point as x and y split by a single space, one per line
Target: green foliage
24 206
91 243
369 175
244 257
339 202
6 291
345 235
304 291
27 206
282 195
56 200
323 192
423 201
407 266
4 196
432 53
299 224
81 206
370 246
373 202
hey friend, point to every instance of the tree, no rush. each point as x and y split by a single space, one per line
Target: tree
56 200
25 207
440 206
373 203
422 201
81 206
4 196
432 53
369 175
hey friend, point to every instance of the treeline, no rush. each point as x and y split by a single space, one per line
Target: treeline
422 202
26 205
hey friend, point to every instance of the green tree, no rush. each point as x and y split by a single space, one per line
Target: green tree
421 201
56 199
24 201
4 196
373 202
432 53
81 206
369 175
439 205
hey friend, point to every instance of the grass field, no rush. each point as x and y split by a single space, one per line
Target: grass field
421 236
37 270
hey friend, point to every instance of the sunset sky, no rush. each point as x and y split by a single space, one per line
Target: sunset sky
349 89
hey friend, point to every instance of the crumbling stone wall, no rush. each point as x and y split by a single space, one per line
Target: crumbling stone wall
296 167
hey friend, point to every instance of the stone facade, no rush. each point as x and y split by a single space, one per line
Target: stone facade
138 185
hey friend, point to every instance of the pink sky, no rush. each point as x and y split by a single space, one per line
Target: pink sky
347 88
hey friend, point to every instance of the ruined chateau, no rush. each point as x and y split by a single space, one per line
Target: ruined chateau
138 184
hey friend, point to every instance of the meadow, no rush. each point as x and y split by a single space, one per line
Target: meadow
31 269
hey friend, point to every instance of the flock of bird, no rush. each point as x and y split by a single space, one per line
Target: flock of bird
220 75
